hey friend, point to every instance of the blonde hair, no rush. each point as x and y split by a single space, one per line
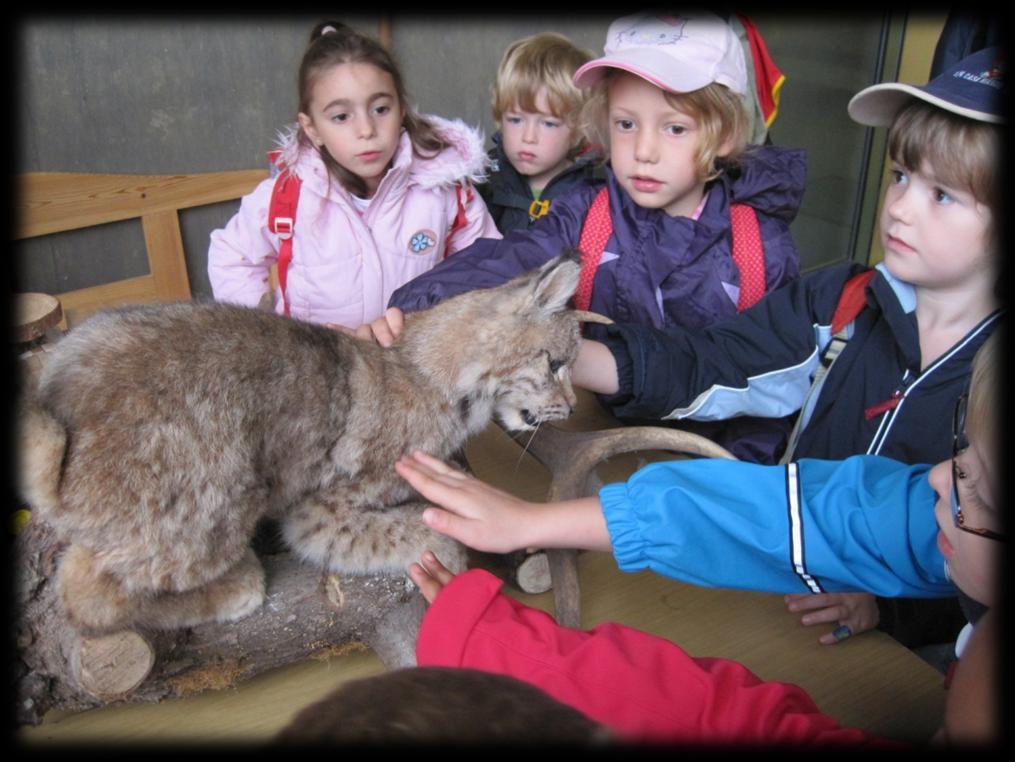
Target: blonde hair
546 60
719 112
983 407
962 153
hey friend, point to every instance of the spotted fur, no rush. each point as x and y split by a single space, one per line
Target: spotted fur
160 435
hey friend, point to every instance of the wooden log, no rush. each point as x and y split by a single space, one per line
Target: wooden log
307 614
34 316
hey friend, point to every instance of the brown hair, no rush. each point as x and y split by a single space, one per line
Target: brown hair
962 153
547 60
341 44
719 112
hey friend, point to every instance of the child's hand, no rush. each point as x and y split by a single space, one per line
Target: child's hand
474 513
384 330
430 576
852 613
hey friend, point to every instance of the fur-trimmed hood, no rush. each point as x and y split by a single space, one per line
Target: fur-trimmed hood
464 158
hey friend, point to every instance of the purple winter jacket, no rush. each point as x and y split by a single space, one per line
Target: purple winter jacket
656 269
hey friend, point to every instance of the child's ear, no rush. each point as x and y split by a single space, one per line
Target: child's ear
733 142
308 127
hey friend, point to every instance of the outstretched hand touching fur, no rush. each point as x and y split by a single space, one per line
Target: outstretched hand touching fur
473 512
491 520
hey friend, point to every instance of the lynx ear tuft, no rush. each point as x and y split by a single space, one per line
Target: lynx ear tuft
555 284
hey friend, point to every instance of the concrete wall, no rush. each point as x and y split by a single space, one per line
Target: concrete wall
179 95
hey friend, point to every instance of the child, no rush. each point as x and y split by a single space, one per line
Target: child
926 309
671 90
539 151
659 243
829 527
383 193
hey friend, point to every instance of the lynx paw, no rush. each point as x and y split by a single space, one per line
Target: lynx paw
94 601
240 592
243 604
236 594
450 552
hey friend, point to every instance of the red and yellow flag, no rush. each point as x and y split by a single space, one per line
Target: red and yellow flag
767 77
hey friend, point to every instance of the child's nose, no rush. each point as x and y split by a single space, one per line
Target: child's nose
898 204
940 479
645 148
367 128
530 132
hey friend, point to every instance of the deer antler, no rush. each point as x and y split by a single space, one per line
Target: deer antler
592 317
572 457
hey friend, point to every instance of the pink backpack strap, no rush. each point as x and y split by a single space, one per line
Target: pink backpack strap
282 221
596 231
748 254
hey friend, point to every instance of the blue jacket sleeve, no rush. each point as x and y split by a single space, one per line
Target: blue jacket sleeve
759 362
862 524
490 262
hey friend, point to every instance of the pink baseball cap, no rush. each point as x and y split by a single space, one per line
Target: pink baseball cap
677 53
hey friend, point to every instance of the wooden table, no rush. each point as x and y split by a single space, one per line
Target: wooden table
869 681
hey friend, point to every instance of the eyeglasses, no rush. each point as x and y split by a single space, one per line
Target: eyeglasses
959 443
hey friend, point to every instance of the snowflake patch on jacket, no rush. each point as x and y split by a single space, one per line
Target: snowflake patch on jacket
346 264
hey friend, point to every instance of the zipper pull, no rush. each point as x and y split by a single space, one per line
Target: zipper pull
883 407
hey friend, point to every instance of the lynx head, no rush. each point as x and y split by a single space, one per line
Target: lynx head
509 348
539 344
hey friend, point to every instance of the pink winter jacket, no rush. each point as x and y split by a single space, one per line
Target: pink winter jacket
345 266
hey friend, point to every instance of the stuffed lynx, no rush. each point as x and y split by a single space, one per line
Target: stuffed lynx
159 435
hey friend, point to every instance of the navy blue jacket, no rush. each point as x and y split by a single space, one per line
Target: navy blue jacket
761 363
657 270
508 196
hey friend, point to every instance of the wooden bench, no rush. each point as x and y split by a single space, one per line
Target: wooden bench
56 202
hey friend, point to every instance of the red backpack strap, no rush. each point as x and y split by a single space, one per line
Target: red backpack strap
748 254
463 190
851 303
852 300
596 231
282 221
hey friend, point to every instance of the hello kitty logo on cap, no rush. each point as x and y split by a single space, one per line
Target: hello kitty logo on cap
679 53
973 88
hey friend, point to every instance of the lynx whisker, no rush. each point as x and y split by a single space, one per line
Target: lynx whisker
525 449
